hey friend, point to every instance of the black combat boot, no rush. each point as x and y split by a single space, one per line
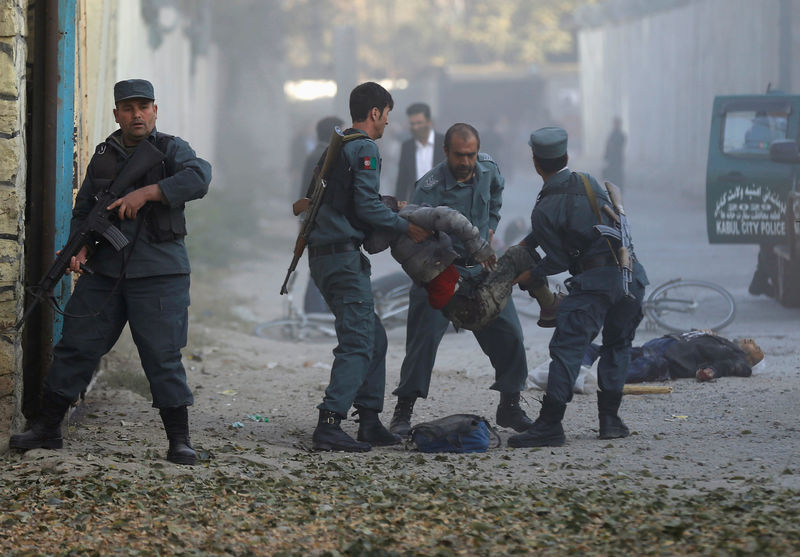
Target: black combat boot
45 430
401 419
176 424
611 425
372 431
329 436
546 431
510 414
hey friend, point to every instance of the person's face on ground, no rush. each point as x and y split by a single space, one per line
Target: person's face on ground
751 350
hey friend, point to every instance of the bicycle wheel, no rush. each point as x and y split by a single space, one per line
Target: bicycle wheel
683 305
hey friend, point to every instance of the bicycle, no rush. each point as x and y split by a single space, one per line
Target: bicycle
676 305
390 294
682 305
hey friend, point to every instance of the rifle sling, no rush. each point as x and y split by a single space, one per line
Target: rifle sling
596 210
142 151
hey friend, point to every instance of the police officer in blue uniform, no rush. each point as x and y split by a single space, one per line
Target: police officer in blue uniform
471 183
145 285
351 207
562 225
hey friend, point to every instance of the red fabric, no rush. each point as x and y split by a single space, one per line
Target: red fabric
442 287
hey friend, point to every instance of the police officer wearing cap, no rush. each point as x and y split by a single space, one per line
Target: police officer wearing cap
562 224
146 284
470 182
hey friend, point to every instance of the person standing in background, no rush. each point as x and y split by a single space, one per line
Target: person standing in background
421 152
614 170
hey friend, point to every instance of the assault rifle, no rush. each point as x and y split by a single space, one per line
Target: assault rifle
96 225
312 203
621 232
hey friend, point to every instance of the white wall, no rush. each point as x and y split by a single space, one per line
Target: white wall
661 72
187 103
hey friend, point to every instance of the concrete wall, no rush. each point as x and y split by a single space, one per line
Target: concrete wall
659 70
186 90
13 31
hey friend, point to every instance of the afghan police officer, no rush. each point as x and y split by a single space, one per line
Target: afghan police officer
471 183
351 207
146 284
563 219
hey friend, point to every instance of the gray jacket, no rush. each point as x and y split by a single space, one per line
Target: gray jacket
424 261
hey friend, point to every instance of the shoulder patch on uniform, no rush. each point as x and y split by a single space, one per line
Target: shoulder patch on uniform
367 163
485 157
100 149
429 182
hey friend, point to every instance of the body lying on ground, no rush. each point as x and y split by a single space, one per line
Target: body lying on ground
703 355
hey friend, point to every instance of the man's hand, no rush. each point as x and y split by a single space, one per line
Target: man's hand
76 261
300 206
704 374
490 263
416 233
128 206
524 278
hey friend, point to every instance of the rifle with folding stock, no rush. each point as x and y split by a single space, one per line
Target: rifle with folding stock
620 232
97 224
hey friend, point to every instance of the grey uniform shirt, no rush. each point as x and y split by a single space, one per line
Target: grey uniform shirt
479 199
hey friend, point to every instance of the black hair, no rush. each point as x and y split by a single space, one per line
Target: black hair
419 108
325 127
367 96
551 165
463 131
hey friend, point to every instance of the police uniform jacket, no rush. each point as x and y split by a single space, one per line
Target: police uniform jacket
362 158
182 177
562 224
479 199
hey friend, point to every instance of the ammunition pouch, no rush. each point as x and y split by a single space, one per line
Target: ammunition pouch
164 223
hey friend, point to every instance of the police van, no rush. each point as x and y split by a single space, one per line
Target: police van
751 182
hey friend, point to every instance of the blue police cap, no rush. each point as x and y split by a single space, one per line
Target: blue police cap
133 89
549 143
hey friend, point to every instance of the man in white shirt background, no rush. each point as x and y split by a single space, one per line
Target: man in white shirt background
421 152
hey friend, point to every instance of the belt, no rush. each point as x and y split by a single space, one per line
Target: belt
328 249
594 261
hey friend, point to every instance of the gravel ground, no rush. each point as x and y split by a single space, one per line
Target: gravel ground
732 433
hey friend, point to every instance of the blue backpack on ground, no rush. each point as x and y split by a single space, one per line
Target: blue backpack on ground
459 433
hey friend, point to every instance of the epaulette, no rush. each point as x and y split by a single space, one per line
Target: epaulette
486 157
429 182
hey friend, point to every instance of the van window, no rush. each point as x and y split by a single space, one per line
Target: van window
750 132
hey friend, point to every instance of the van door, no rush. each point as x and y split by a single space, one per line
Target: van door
745 192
